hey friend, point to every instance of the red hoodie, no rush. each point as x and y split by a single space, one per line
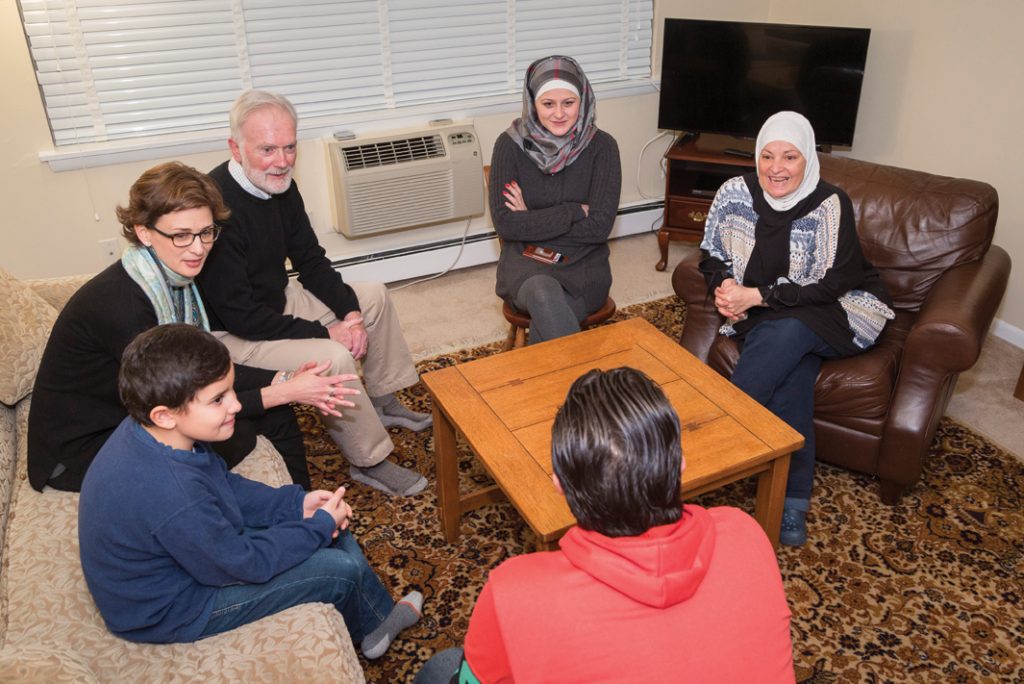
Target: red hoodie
700 600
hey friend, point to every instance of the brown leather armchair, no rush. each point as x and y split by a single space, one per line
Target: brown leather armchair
930 237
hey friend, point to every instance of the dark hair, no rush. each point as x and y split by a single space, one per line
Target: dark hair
167 188
615 448
167 366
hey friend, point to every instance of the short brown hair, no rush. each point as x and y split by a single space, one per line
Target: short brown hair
165 189
167 366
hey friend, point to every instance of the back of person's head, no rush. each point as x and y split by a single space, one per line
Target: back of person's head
616 451
167 188
253 100
167 366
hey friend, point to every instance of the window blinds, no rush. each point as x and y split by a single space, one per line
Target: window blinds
116 69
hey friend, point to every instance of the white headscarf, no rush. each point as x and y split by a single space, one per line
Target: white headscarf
795 129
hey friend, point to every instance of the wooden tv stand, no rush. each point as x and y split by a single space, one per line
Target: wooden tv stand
696 168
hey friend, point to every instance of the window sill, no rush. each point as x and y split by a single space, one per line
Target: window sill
171 147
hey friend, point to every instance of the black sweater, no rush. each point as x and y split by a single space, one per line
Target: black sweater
244 279
75 402
555 219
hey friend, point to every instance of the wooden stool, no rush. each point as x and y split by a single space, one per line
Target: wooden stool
519 322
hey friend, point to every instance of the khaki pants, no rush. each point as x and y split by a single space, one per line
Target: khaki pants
387 366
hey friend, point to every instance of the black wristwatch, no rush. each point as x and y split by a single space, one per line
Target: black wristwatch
766 292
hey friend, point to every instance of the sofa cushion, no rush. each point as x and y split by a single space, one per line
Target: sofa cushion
25 323
49 605
42 665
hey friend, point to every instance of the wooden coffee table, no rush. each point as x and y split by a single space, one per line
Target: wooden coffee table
504 407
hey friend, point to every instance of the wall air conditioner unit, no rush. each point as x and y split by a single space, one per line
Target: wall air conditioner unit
403 180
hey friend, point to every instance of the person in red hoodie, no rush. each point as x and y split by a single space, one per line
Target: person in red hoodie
644 588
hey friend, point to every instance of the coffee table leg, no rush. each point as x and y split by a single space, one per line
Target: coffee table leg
446 456
771 496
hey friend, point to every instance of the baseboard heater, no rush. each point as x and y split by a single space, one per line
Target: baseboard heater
406 251
456 241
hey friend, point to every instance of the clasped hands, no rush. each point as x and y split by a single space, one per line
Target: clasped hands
331 503
308 385
733 300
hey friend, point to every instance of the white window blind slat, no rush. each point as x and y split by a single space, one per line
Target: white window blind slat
114 69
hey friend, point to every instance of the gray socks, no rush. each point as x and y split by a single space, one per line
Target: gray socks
405 614
393 414
390 478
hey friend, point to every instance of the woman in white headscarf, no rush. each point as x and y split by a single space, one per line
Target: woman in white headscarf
784 264
554 192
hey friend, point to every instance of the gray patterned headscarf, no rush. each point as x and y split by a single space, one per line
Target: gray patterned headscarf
550 152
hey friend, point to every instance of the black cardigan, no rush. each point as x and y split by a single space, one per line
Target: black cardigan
75 402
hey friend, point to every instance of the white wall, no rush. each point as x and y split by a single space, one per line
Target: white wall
940 94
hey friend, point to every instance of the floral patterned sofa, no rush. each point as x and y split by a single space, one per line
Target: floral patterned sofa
50 630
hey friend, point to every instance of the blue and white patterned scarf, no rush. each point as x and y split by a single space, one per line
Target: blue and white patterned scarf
175 298
813 240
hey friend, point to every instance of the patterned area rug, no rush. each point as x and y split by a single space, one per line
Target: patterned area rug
930 590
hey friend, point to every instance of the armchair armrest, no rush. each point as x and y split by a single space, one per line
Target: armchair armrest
945 340
954 319
702 318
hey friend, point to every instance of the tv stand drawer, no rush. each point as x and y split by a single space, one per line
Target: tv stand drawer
688 214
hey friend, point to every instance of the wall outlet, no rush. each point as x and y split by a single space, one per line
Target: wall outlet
110 249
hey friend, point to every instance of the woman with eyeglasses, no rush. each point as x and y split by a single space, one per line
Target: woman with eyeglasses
170 225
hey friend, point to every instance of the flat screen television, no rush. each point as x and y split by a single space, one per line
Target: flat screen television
727 77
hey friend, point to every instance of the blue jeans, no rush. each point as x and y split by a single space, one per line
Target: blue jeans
779 362
553 311
337 574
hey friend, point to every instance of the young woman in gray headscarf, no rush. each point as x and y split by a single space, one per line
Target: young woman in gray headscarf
783 261
554 192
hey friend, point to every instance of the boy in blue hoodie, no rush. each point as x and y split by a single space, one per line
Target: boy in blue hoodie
176 548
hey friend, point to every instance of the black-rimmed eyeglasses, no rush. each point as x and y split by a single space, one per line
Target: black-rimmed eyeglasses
206 236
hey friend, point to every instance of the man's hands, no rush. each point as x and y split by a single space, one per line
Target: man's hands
351 333
334 504
732 299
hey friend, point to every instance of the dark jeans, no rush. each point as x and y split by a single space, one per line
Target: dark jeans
553 311
338 574
778 365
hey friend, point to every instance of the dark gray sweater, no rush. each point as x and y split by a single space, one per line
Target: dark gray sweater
555 219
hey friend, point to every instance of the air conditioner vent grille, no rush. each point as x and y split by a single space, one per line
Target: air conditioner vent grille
390 152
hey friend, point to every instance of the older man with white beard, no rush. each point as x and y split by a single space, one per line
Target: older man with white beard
268 322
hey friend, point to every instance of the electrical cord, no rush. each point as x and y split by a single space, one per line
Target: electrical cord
462 245
639 165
